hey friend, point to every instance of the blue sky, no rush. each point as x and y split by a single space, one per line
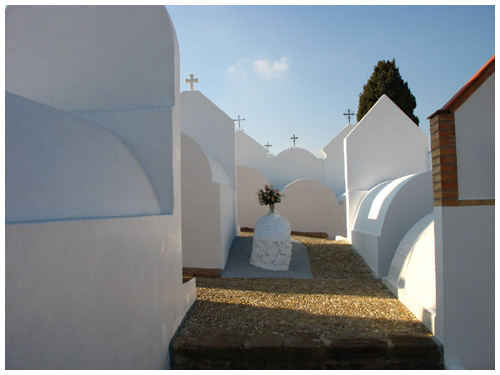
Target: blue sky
296 69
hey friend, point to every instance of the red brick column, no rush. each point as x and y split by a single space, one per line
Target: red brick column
444 163
444 159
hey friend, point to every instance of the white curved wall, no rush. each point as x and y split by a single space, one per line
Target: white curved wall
117 66
412 275
211 128
292 164
311 206
384 145
385 215
249 181
208 211
60 166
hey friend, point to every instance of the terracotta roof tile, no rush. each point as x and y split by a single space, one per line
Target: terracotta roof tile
469 88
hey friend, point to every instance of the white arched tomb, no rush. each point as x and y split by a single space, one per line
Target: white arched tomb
292 164
95 283
115 65
208 212
385 215
62 166
311 206
412 275
384 145
249 181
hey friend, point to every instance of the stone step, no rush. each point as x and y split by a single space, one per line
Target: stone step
294 233
232 351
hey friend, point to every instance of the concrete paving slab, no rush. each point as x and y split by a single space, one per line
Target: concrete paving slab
238 263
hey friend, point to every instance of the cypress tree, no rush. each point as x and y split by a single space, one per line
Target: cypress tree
386 79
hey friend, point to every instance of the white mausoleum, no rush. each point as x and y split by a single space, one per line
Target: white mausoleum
93 243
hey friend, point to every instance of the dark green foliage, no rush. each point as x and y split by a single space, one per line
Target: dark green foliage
387 80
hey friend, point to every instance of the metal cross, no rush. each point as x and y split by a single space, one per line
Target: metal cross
349 114
191 81
268 145
239 121
294 138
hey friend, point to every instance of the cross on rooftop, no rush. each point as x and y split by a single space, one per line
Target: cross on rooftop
239 121
349 114
294 138
191 81
268 145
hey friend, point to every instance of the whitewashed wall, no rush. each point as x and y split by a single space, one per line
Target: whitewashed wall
109 73
52 154
293 164
383 146
208 182
249 181
465 241
95 294
286 168
249 153
476 151
208 209
334 162
100 293
211 128
412 276
385 215
465 306
311 206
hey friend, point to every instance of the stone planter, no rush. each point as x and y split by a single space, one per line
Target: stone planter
272 247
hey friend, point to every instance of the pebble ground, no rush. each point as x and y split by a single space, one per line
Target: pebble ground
344 300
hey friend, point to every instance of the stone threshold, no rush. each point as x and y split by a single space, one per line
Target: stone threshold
295 233
190 272
225 351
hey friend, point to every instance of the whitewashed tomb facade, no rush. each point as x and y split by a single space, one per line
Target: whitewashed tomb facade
93 190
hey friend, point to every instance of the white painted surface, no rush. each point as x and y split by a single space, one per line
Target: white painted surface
311 206
385 215
97 294
334 161
148 134
475 132
272 245
412 275
99 58
251 154
100 293
61 166
211 128
208 210
383 146
249 181
118 66
292 164
465 268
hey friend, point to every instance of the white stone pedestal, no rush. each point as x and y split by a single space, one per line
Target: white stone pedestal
272 246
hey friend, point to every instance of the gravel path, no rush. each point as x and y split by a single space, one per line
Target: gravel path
343 300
